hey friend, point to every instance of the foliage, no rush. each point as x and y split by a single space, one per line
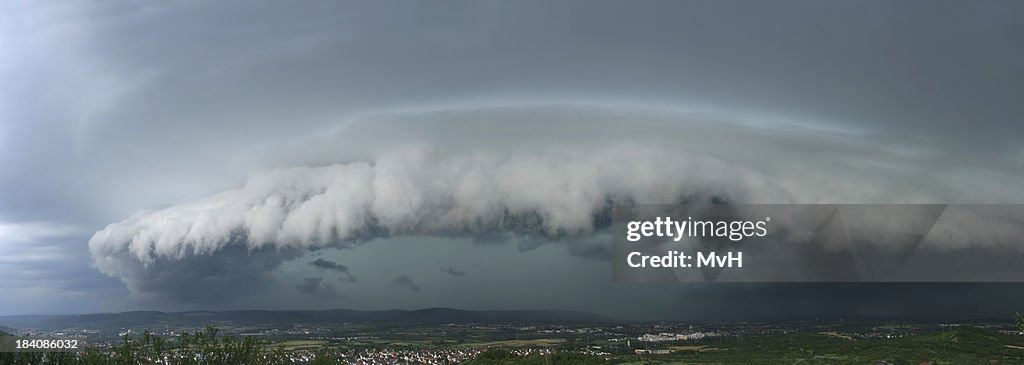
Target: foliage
199 348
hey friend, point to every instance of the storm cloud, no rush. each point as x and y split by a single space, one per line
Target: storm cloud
526 184
333 266
405 282
316 287
450 270
218 148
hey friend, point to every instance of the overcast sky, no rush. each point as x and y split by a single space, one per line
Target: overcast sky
253 154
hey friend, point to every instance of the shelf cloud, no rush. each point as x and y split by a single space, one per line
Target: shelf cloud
521 185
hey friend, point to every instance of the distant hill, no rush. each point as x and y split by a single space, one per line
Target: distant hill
7 331
431 316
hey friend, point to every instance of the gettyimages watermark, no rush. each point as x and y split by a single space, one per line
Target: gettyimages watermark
818 243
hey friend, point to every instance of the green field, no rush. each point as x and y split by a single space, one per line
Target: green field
538 342
300 345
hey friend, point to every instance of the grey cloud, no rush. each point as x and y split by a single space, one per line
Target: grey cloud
903 72
527 184
925 301
416 193
405 282
451 270
195 278
322 264
43 263
194 75
896 69
597 247
317 288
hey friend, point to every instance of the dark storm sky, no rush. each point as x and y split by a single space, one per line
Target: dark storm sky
214 115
